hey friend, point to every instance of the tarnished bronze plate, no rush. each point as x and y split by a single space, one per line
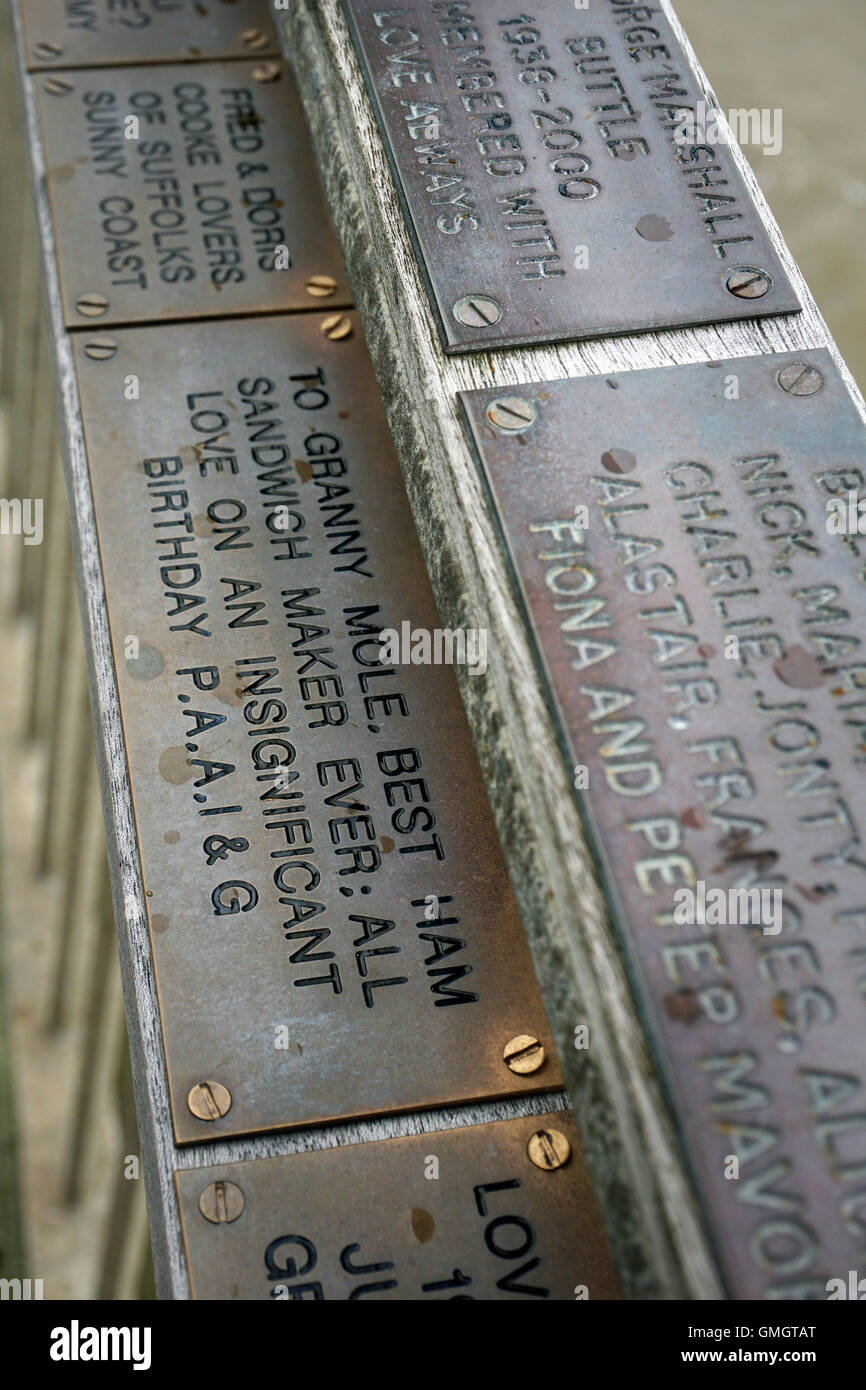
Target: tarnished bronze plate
652 518
458 1214
333 930
213 208
89 33
536 155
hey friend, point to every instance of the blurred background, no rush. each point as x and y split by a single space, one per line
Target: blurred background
810 61
71 1202
72 1211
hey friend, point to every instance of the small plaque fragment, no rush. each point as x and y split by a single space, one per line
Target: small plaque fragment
690 549
93 33
489 1212
562 171
183 191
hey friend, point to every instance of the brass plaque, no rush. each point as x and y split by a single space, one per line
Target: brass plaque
457 1214
89 33
546 188
700 624
332 925
211 206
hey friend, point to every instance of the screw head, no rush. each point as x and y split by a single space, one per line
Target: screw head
267 72
57 86
523 1054
477 310
337 327
748 283
47 50
512 414
91 306
254 39
321 286
549 1149
209 1100
799 379
100 349
221 1202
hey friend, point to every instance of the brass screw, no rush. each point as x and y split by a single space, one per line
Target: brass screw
799 379
47 50
512 414
254 38
748 283
523 1054
337 327
91 306
477 310
100 349
57 86
209 1100
221 1202
321 286
267 72
549 1149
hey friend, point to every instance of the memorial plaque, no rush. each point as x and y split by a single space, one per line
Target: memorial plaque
553 185
89 33
332 925
457 1214
184 192
699 617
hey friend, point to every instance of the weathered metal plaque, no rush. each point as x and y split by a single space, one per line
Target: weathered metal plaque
89 33
702 634
333 929
184 192
538 161
457 1214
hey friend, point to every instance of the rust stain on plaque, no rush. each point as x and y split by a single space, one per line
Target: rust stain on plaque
93 33
560 177
456 1214
183 192
682 612
304 974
